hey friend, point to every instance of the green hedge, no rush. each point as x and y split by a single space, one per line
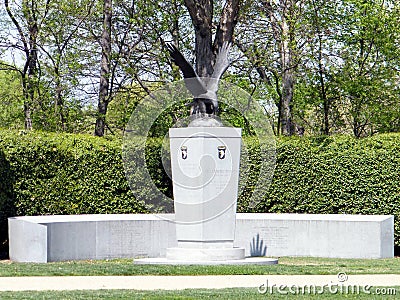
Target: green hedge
44 173
338 174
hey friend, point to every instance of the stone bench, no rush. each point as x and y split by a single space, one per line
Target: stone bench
79 237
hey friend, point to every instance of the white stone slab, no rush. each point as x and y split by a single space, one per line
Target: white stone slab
78 237
244 261
205 174
58 238
27 240
319 235
204 254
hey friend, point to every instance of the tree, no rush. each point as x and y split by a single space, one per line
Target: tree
329 66
27 20
277 52
60 62
127 42
368 75
287 46
321 68
320 90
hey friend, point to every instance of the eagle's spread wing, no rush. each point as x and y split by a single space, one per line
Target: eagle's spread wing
220 66
194 85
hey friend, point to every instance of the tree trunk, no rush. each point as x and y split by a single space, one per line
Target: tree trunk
31 86
321 74
201 13
27 115
228 20
285 107
322 92
31 60
326 103
175 33
283 35
104 69
59 103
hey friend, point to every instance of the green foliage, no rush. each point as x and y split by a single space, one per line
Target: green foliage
366 77
11 104
344 55
66 174
45 173
122 106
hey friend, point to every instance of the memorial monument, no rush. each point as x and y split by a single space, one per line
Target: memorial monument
205 159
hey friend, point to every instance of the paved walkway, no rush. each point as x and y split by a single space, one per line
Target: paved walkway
190 282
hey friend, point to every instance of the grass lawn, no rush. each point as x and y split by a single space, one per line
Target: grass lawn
243 293
287 265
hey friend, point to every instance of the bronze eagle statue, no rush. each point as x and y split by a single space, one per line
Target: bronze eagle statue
204 89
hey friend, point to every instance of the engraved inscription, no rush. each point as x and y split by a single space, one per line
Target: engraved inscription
277 237
221 179
129 237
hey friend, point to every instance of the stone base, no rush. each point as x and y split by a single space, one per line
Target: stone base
244 261
205 254
80 237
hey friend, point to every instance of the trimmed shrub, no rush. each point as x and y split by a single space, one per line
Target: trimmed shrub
337 175
47 173
67 174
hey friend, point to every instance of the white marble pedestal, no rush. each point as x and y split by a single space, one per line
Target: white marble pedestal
205 172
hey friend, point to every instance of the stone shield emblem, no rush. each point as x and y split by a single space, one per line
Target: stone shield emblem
184 152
